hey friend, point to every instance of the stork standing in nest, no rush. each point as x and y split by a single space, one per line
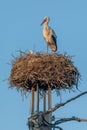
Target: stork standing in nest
49 35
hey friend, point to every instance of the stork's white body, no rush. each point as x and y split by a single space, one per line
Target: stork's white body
49 35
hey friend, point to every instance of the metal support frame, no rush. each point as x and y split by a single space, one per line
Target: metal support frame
37 98
32 101
49 98
44 101
40 120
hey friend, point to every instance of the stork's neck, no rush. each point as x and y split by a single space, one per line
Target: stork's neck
46 25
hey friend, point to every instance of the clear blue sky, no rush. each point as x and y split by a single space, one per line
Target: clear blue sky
20 30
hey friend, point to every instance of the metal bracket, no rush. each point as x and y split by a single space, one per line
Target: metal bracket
35 121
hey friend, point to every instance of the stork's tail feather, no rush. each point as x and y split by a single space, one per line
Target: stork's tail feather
53 47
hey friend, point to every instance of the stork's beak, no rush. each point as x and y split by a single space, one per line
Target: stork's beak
43 22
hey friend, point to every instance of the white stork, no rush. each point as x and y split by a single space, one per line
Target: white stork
49 35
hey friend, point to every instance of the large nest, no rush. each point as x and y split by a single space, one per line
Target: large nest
45 70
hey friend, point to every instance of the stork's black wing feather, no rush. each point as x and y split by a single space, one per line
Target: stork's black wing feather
54 39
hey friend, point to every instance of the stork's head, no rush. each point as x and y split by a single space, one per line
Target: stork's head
46 20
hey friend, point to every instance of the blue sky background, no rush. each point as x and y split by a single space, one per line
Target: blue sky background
20 30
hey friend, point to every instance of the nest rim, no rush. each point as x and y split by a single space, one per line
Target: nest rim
29 70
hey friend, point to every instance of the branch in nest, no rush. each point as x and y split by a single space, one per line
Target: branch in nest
64 103
73 118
